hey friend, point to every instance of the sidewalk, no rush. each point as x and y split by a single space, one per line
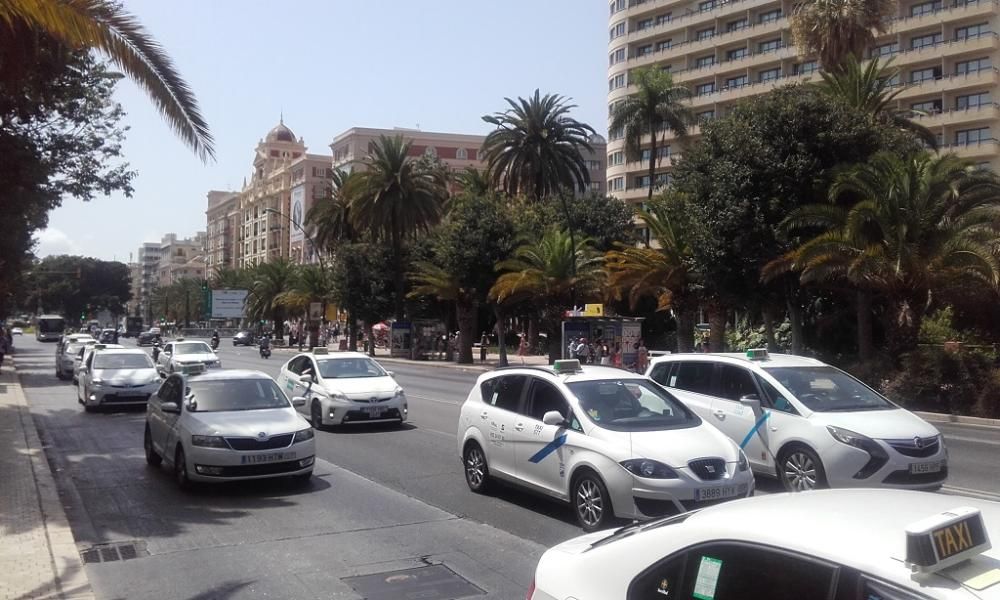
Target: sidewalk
38 555
492 360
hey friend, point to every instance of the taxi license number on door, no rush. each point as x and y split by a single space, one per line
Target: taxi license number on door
718 493
256 459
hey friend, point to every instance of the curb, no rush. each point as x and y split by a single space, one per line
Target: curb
958 419
70 578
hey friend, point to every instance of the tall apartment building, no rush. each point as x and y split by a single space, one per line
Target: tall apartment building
456 150
134 305
149 275
181 258
224 223
727 51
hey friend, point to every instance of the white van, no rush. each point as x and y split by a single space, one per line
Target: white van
806 422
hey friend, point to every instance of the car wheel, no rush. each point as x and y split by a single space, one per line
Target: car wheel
316 415
181 470
477 472
59 374
591 502
152 458
800 470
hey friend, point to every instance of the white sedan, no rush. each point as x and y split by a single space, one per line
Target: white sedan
344 388
119 377
860 544
225 426
180 356
608 442
17 331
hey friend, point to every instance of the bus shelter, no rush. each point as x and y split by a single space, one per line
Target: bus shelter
622 332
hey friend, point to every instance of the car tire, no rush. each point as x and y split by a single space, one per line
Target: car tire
152 458
591 502
88 408
59 375
800 469
180 469
477 471
316 415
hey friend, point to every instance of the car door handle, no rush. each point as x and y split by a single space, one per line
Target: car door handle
519 427
720 414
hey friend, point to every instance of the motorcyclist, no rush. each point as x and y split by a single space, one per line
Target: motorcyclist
156 348
215 338
265 344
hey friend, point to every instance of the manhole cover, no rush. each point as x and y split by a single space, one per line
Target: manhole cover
435 582
114 552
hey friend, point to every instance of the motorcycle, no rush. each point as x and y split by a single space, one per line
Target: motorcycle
265 349
215 343
156 350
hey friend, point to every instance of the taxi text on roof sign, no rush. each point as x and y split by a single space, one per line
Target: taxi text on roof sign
946 539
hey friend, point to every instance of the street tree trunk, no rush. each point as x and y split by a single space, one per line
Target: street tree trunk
397 259
685 316
352 331
465 313
866 343
555 344
768 313
717 327
533 334
652 158
501 335
795 317
904 326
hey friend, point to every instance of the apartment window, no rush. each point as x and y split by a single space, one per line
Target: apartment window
924 41
769 46
972 66
892 81
594 186
704 61
644 155
664 45
616 185
644 50
664 18
704 88
737 82
705 34
666 68
885 50
618 81
706 5
663 152
641 181
925 8
966 137
617 5
644 24
462 154
736 53
972 100
806 68
972 31
617 30
931 107
616 134
705 116
736 25
770 16
593 165
617 56
769 75
925 74
663 179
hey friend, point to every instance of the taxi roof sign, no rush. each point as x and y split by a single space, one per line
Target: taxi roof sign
320 350
99 346
566 366
946 539
758 354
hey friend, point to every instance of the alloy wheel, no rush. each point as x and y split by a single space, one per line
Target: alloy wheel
475 468
316 412
589 502
800 471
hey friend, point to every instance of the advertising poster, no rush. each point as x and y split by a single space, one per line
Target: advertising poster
298 214
229 304
400 339
631 332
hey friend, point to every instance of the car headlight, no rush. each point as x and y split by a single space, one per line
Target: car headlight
339 396
846 436
399 393
744 464
303 435
649 469
97 382
208 441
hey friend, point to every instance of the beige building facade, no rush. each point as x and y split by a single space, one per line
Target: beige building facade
181 258
223 224
726 51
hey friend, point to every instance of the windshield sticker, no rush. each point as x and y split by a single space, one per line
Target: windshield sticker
594 414
664 587
707 578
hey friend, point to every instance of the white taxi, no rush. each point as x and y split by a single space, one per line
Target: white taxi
117 377
860 544
609 442
227 426
343 388
806 422
186 356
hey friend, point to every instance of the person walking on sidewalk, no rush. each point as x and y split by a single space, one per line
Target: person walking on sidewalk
522 348
483 342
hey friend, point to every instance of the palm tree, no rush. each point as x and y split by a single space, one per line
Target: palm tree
922 223
268 281
226 278
103 25
396 197
832 30
474 182
432 280
868 89
657 105
661 272
536 150
331 216
309 283
549 273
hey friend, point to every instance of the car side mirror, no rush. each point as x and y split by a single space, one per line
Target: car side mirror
163 375
390 373
298 401
170 407
751 401
554 417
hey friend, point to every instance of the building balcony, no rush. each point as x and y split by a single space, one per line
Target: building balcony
693 18
980 149
985 77
983 42
959 116
951 12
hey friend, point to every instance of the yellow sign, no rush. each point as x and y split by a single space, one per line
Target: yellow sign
593 310
955 538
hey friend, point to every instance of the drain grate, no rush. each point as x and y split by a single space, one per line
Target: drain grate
435 582
114 552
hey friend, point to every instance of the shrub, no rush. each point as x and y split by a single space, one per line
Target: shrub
744 335
937 380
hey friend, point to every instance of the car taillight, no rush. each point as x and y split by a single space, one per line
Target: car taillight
531 589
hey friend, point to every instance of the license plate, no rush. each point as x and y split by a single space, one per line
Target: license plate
931 467
131 393
374 412
718 493
256 459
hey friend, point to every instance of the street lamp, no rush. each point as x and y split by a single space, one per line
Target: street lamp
319 255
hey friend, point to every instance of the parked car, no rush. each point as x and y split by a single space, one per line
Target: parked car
227 425
67 352
806 422
244 338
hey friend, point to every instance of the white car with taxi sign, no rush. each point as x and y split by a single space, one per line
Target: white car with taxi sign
609 442
847 544
116 377
186 356
343 388
226 426
806 422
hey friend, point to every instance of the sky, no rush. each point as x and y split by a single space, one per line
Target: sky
327 65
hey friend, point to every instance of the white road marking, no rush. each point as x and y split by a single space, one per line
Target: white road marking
951 489
428 398
961 438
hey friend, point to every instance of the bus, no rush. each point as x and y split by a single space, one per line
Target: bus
133 326
49 328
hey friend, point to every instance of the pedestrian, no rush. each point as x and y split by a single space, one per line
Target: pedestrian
616 356
605 352
4 345
643 358
483 342
522 347
582 351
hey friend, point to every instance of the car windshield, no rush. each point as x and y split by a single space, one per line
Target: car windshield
631 405
122 361
236 394
347 368
826 389
192 348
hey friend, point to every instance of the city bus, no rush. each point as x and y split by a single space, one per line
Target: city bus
49 328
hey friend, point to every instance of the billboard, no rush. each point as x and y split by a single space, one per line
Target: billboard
228 304
298 214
